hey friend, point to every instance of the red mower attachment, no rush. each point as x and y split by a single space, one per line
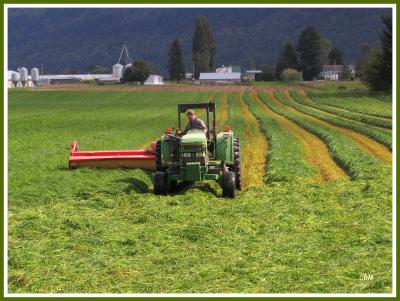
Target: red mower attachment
141 158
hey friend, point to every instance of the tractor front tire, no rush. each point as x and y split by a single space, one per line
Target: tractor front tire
160 183
237 168
228 184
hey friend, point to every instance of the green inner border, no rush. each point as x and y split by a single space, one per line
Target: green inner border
185 2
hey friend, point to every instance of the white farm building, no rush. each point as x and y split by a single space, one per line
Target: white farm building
154 80
337 72
220 78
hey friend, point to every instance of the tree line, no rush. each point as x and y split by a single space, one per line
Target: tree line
374 68
203 56
301 61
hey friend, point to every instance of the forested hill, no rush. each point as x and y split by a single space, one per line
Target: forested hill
76 38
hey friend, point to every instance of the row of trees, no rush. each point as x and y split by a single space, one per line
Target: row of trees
312 51
376 64
203 52
307 57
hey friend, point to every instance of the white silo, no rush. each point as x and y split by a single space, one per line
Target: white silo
118 70
35 75
23 75
15 78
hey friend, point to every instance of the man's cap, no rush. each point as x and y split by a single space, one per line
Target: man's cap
190 112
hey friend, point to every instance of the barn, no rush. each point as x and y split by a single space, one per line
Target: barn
219 78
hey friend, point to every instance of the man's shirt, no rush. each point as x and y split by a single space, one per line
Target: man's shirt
196 124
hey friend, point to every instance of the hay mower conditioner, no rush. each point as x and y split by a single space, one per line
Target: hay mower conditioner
189 157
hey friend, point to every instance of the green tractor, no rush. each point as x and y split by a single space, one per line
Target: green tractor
198 156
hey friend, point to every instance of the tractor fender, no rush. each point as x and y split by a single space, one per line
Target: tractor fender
224 147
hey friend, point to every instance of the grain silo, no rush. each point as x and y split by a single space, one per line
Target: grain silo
15 78
23 75
118 70
35 75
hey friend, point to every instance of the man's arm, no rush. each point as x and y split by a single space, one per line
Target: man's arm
186 128
202 125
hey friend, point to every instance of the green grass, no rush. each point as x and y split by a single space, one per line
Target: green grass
235 119
375 134
331 86
367 119
374 104
268 84
93 230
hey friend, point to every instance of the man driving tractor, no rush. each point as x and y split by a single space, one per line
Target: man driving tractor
194 122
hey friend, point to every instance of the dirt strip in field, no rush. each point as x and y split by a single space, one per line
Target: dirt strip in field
254 152
317 153
367 144
166 87
386 130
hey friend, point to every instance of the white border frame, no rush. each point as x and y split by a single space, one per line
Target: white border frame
105 295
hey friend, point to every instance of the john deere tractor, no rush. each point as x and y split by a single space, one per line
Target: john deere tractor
198 156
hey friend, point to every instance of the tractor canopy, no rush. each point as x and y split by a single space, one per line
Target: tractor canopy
194 137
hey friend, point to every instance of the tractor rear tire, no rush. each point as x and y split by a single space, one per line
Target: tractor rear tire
160 183
158 156
237 167
229 184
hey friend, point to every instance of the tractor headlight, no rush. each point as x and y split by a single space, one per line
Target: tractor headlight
199 154
187 155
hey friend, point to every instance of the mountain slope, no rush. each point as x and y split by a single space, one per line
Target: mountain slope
73 38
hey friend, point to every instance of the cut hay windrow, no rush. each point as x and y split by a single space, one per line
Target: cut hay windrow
377 106
321 160
286 159
252 142
223 112
376 135
357 163
370 146
362 119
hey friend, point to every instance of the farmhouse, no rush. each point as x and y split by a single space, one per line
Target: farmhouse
337 72
219 78
228 69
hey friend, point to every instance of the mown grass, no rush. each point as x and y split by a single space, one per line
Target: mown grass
377 135
235 120
285 158
314 238
92 230
343 150
367 119
253 146
374 104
